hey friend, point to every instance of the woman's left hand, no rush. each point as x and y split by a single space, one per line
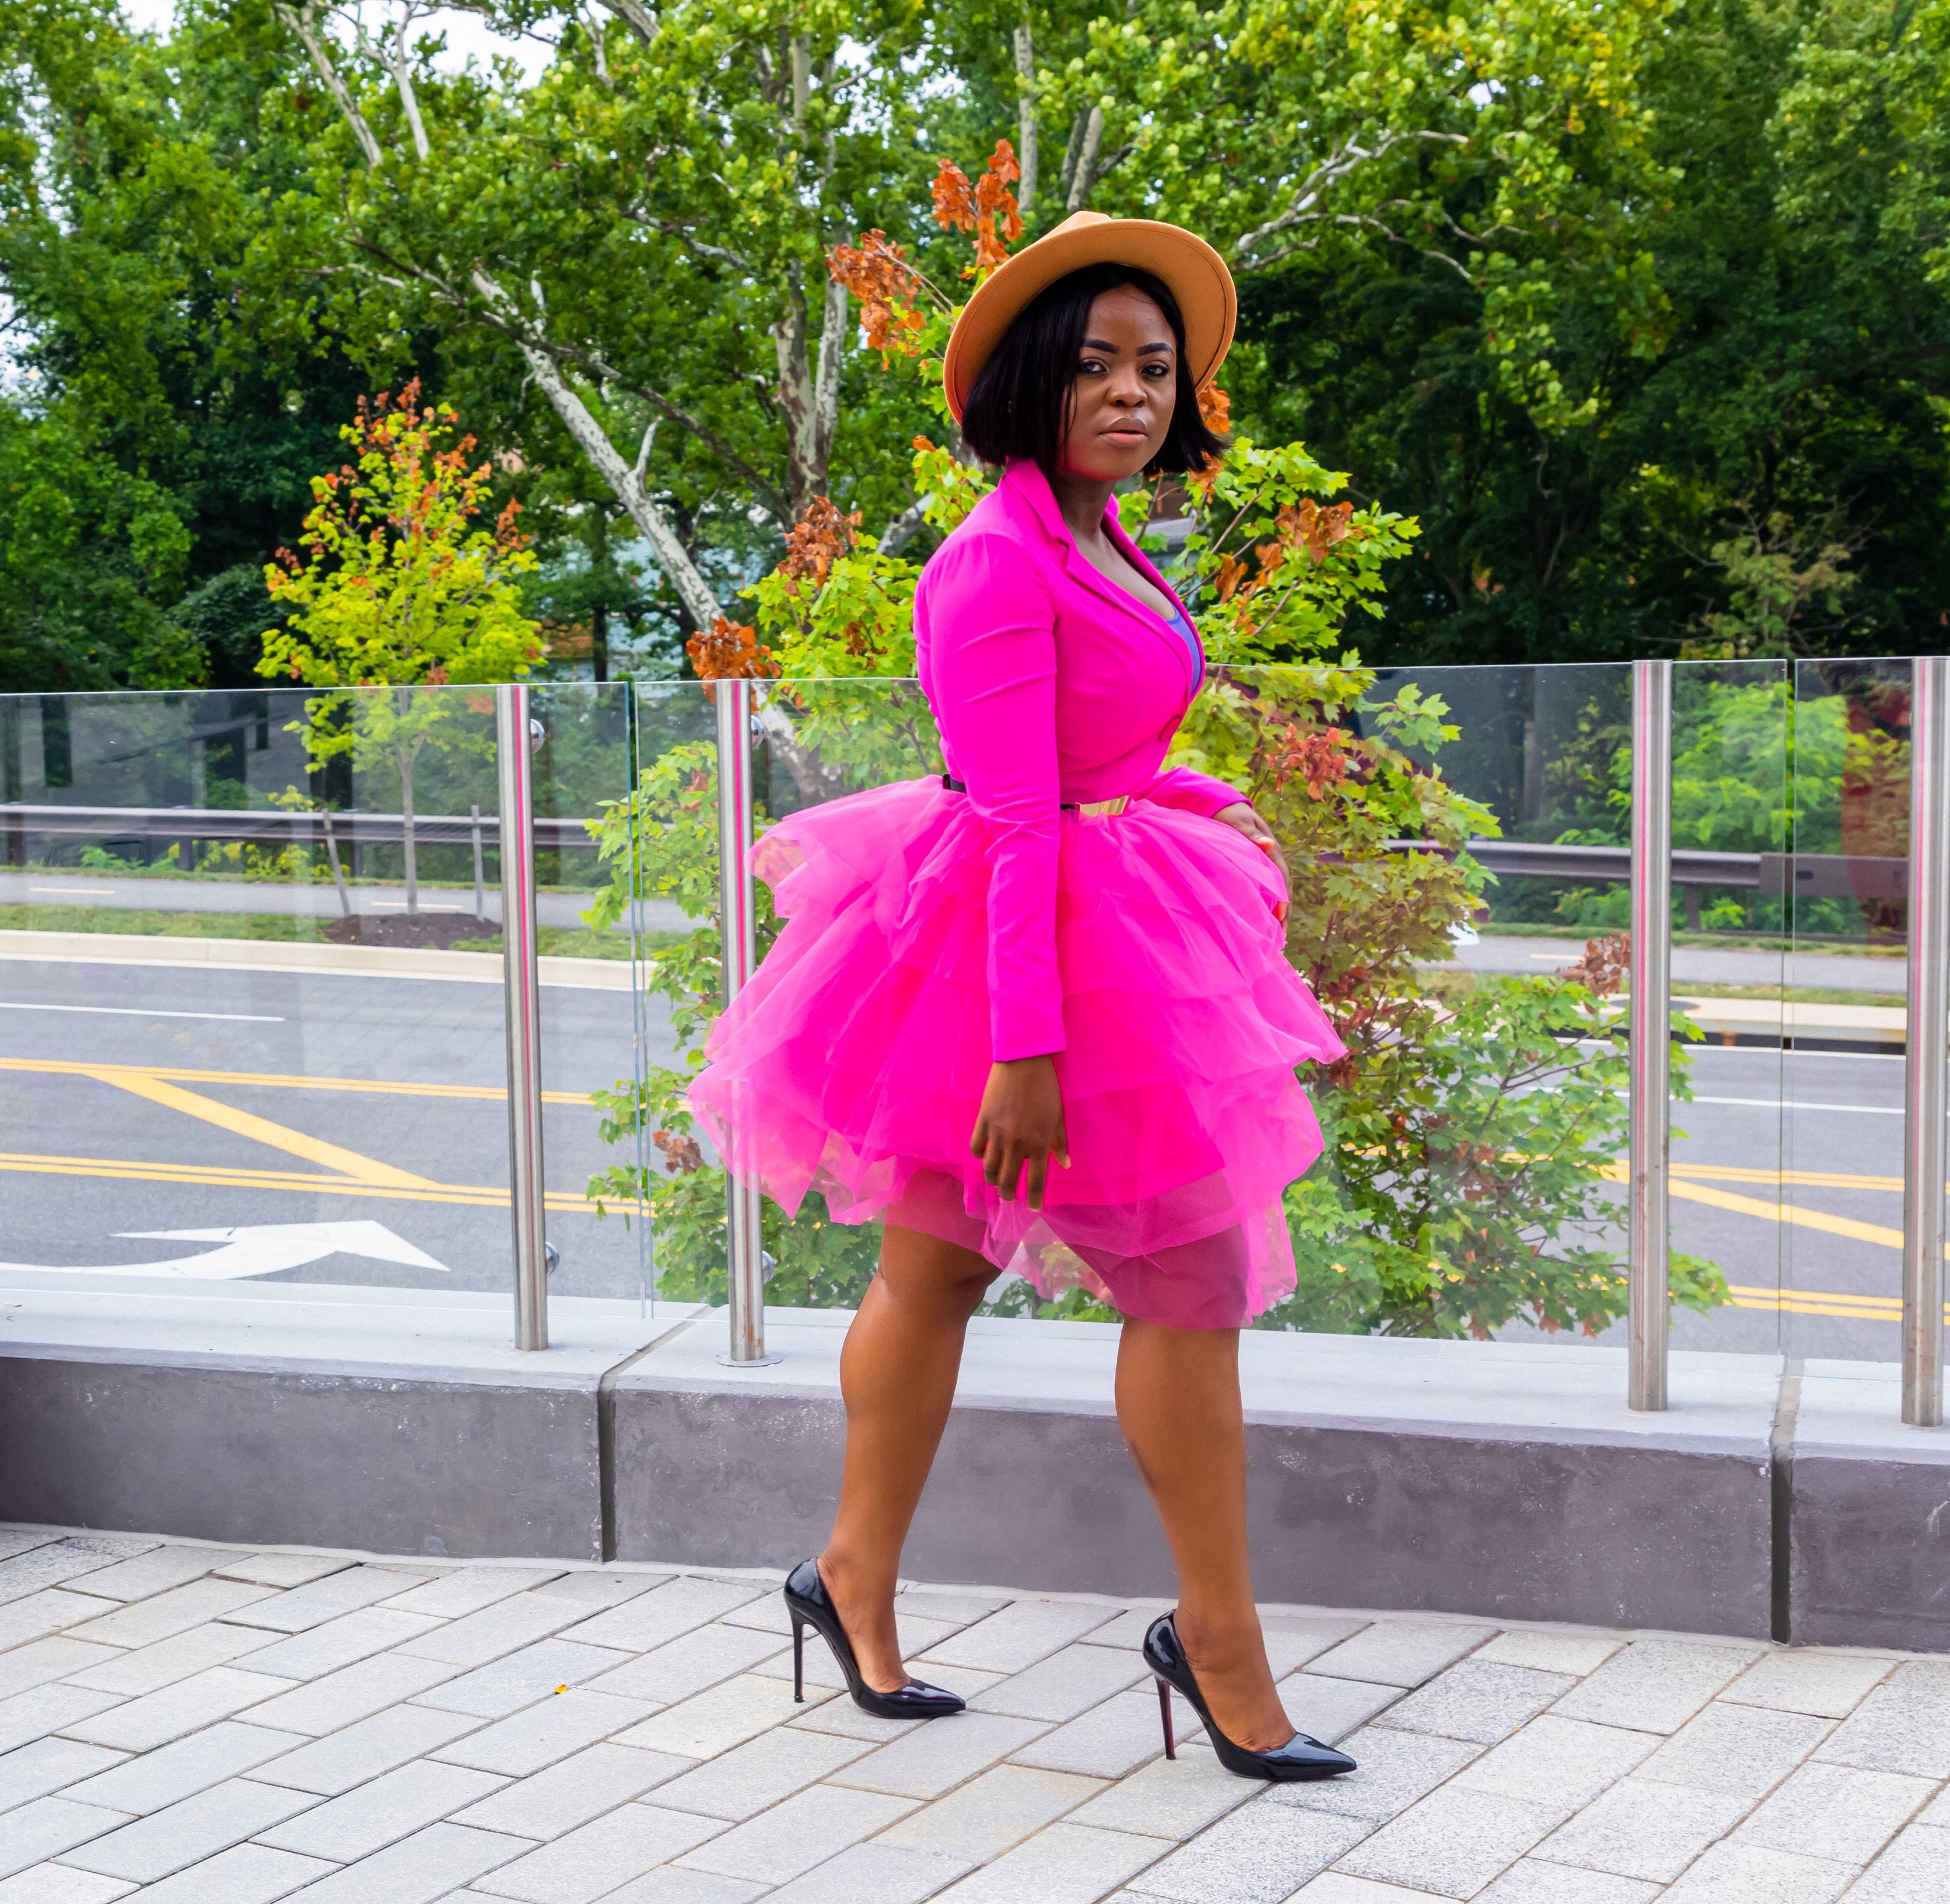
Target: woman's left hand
1243 816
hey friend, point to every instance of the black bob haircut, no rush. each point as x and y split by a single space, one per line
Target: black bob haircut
1019 408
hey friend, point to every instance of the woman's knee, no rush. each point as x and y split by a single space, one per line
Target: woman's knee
916 1267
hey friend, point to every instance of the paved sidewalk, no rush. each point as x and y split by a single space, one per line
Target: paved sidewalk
200 1724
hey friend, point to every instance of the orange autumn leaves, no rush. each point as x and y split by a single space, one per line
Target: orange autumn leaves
1302 529
988 208
891 291
819 538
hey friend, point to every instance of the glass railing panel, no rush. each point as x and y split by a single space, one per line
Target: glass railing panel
814 742
253 1027
1842 1203
639 1195
1731 808
1458 841
593 949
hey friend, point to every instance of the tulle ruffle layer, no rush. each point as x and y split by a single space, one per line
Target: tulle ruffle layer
854 1063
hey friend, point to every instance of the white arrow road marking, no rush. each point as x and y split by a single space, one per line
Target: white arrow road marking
257 1249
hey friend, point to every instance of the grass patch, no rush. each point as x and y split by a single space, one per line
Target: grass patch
555 942
146 925
578 942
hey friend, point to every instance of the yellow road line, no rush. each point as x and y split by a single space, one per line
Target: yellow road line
1805 1180
278 1081
212 1177
1792 1213
1815 1302
242 1123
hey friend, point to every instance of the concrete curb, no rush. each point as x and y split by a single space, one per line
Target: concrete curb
308 955
1502 1480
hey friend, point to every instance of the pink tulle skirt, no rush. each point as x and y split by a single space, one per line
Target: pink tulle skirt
854 1063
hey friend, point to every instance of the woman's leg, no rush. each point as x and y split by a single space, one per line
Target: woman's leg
897 1375
1178 1403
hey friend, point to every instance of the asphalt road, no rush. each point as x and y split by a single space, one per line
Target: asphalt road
331 1098
1704 964
143 1147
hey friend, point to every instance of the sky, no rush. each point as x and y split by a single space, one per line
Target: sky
466 32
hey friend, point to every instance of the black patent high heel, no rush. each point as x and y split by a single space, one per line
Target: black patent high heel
809 1604
1301 1757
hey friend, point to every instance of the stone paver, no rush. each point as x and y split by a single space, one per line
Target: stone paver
193 1829
574 1791
1656 1685
985 1817
150 1668
1639 1829
1400 1653
1736 1873
157 1719
1904 1726
1914 1870
1452 1842
181 1769
1257 1854
211 1725
1328 1710
390 1808
550 1729
1836 1811
592 1860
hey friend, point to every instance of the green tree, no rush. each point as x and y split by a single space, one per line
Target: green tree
401 589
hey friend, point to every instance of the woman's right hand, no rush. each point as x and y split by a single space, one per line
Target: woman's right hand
1019 1127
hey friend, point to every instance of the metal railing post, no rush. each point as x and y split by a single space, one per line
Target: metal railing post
744 1251
522 998
1926 1070
1651 1090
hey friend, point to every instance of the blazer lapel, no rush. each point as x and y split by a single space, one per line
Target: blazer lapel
1029 482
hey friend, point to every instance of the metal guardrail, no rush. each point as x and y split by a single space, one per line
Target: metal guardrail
1648 1309
258 826
744 1236
522 996
1650 865
1926 1065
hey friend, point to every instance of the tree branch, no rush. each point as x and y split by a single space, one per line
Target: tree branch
302 22
646 513
637 17
900 531
1347 159
1026 125
1084 176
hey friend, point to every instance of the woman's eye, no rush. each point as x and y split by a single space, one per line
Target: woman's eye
1090 367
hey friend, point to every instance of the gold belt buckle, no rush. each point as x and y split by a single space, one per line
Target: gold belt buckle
1104 809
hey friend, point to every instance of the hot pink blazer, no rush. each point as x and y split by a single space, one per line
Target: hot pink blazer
1053 687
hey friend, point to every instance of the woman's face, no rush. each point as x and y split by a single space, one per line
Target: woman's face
1126 389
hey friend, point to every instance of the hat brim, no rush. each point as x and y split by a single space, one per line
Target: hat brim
1195 273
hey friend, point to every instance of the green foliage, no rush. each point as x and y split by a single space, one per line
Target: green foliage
1470 1144
661 842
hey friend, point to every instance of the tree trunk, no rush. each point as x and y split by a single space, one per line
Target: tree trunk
809 391
1025 140
1086 174
651 523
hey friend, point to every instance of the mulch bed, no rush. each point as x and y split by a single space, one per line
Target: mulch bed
438 929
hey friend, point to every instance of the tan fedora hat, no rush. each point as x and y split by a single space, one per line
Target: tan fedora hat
1195 273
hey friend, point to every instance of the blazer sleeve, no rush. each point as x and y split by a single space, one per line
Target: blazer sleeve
1196 793
992 635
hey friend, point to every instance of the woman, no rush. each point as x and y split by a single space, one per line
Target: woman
1035 1015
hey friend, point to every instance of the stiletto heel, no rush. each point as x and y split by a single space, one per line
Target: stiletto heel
1301 1757
1164 1713
799 1662
809 1604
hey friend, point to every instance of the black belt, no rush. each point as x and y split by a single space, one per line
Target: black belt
954 785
